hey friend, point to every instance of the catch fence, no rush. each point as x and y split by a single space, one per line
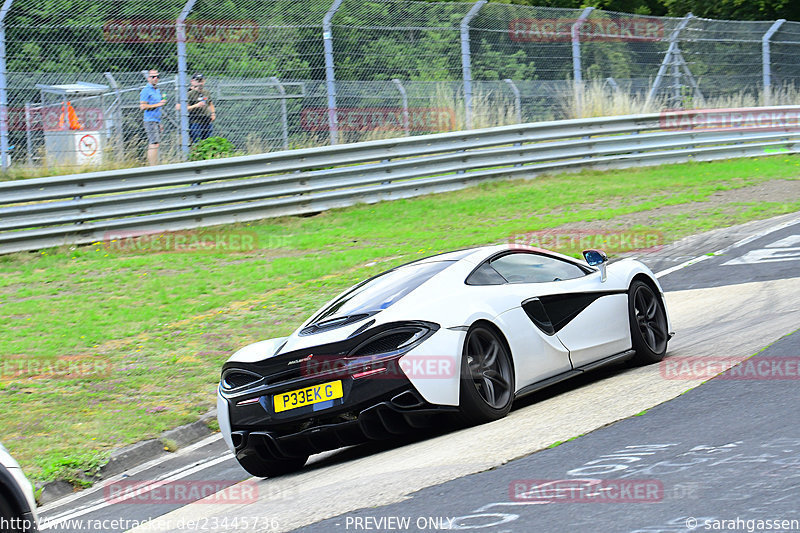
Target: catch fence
296 74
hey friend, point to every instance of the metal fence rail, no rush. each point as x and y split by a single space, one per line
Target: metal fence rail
83 208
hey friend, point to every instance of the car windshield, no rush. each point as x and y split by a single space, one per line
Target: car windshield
381 291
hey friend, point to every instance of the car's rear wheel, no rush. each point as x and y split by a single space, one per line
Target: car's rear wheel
487 377
648 321
259 467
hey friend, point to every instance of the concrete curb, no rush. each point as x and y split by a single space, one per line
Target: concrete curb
136 454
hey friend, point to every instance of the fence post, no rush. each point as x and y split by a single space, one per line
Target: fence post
120 144
668 57
180 36
517 100
3 87
28 139
330 78
577 75
466 61
766 60
404 97
284 115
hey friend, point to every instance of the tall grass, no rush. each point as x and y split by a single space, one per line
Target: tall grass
599 99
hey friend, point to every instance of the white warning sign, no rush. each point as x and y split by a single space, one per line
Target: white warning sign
87 145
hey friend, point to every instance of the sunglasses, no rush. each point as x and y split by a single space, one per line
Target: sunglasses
156 76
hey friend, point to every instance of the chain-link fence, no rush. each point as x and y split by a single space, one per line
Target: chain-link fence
284 74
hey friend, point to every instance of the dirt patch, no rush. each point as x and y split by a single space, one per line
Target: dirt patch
767 192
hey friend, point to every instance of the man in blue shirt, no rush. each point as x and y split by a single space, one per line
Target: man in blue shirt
151 101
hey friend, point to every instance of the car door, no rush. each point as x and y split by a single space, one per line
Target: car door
567 300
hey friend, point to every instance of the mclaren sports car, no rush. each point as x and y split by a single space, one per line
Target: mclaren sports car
17 505
460 335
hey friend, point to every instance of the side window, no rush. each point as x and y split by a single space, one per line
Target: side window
535 268
485 275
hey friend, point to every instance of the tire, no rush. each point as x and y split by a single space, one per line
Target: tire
258 467
648 321
487 377
9 516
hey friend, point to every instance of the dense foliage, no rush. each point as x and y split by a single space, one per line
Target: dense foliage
212 148
718 9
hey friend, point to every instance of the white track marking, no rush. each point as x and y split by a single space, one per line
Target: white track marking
742 242
52 522
132 472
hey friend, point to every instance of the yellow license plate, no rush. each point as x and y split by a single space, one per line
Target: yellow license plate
307 396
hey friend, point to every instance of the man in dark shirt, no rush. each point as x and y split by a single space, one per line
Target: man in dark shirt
201 110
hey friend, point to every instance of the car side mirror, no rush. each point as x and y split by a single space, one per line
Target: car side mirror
597 258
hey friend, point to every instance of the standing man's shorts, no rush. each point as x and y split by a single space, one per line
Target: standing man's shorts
153 130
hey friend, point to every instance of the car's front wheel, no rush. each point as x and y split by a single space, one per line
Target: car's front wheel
487 377
259 467
648 321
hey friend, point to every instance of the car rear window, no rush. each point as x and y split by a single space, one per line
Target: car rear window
382 291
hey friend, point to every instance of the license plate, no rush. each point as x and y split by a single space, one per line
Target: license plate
307 396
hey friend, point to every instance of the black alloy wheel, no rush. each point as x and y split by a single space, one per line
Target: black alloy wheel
487 377
648 321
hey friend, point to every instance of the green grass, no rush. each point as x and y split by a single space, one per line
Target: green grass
560 442
154 329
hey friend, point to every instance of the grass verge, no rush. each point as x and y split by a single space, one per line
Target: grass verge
103 348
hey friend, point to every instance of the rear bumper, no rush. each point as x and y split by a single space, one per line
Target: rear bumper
402 413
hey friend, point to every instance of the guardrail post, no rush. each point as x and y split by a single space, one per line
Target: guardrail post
404 97
180 37
3 87
284 116
668 58
766 60
577 75
466 61
330 78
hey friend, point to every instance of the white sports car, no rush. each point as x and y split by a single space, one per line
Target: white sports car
462 333
17 505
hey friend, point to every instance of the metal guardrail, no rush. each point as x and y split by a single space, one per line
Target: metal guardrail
82 208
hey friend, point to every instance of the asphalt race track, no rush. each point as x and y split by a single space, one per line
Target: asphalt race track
725 450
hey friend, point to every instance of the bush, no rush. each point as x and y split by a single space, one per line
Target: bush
212 148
